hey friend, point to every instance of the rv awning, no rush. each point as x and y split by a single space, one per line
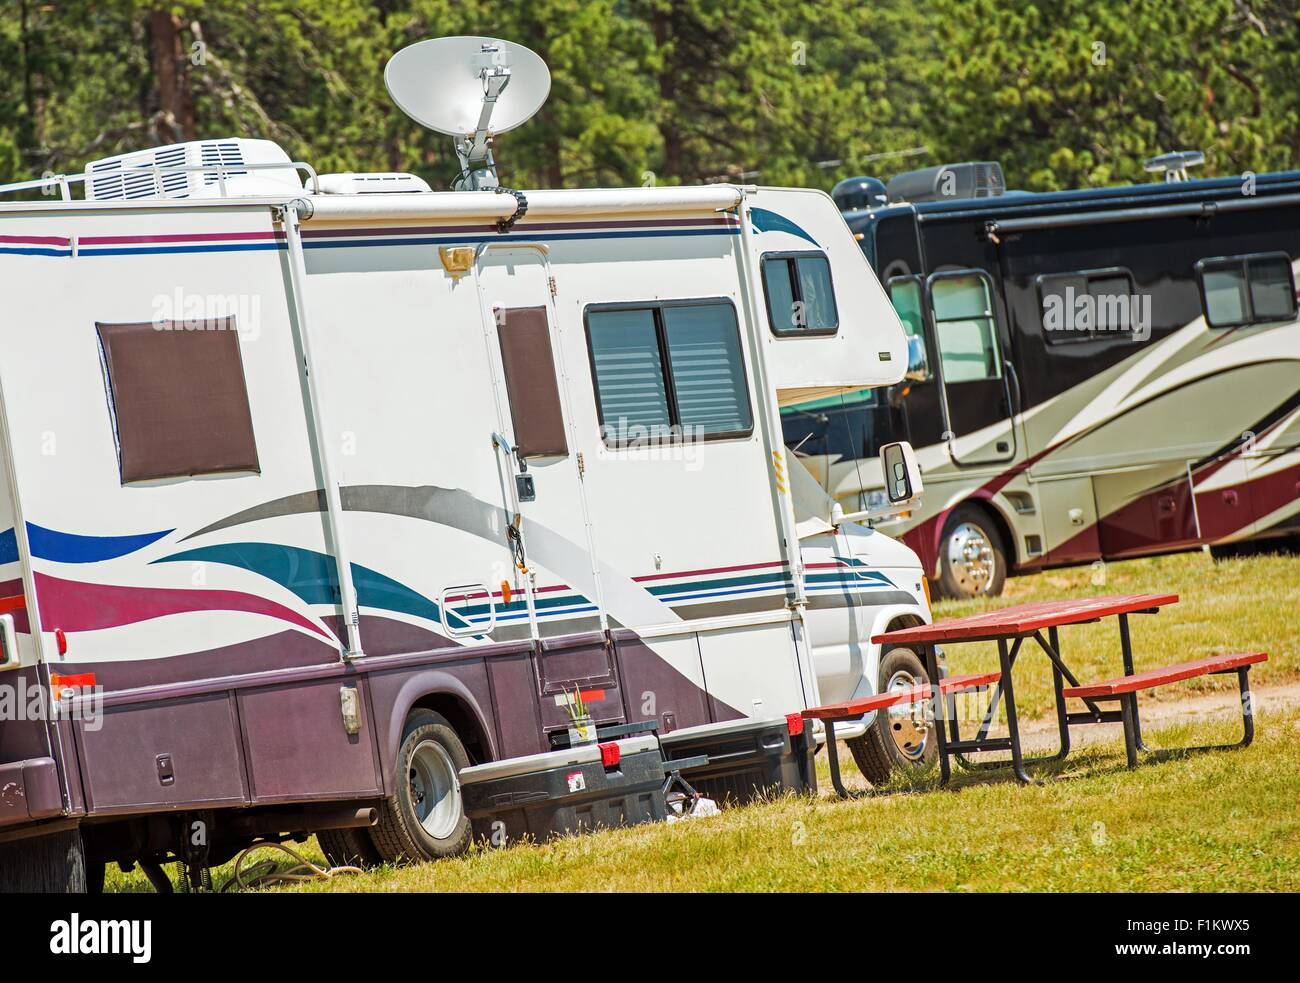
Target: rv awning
493 205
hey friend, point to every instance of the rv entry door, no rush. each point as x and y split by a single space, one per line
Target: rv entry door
526 352
977 380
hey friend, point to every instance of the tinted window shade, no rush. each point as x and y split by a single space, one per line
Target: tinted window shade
1091 305
1239 290
179 398
534 394
663 369
707 372
631 389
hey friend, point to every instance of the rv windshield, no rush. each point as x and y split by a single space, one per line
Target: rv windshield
853 425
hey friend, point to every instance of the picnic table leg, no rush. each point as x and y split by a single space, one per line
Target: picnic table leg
833 760
1128 710
1126 648
1009 693
1058 684
940 735
1247 707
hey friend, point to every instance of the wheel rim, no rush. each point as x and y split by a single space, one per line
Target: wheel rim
971 558
907 724
435 793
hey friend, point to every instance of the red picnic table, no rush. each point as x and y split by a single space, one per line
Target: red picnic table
1009 627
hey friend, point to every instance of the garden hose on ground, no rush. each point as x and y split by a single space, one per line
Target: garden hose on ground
304 870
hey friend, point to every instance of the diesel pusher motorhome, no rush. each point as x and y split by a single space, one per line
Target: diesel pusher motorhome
318 491
1093 374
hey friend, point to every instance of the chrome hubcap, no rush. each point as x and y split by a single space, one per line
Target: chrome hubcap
435 792
907 724
971 558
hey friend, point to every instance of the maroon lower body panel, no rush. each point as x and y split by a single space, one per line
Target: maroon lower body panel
310 732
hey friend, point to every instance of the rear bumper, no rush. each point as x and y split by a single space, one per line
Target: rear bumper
29 790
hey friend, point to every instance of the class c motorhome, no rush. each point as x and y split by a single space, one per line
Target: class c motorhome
318 489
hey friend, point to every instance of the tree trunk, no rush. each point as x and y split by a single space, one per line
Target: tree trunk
668 129
172 96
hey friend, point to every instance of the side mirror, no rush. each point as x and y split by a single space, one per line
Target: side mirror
902 473
917 369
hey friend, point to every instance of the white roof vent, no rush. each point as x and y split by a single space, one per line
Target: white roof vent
232 168
372 184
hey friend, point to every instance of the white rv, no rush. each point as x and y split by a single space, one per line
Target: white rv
320 490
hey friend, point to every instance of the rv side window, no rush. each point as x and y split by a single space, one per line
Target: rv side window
1238 290
178 398
905 294
800 296
965 329
1091 305
664 370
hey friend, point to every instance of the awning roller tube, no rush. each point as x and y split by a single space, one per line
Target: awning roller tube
494 206
1206 208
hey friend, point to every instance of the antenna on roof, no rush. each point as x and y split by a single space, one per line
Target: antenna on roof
1174 165
472 89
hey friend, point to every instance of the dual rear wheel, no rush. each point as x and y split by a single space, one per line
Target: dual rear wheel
424 818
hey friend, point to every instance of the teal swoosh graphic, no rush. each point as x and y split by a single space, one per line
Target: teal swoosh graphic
310 575
769 221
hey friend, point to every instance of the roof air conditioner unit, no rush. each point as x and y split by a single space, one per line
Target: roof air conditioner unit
231 168
372 184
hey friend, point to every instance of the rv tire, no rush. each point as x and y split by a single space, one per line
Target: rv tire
424 818
972 556
896 742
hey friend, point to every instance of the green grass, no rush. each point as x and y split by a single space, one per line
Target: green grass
1202 822
1205 822
1238 605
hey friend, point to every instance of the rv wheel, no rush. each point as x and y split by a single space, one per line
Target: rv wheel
424 818
972 559
902 737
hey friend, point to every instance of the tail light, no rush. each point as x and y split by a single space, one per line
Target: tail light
62 684
609 754
794 723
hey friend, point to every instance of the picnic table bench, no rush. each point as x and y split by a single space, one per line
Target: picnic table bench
1009 628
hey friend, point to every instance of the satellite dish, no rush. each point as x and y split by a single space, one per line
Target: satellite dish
470 88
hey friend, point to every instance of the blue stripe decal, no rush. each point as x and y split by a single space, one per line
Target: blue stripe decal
231 247
34 251
540 614
66 547
727 593
9 546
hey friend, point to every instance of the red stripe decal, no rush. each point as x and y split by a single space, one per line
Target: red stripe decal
77 606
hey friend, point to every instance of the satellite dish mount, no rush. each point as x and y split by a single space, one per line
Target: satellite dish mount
461 86
478 170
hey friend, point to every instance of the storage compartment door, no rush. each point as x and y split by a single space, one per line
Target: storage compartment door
1068 510
584 663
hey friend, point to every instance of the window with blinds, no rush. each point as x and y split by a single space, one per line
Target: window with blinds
668 370
800 295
